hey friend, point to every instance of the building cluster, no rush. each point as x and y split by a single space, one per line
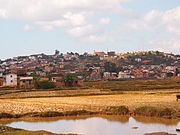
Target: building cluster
21 71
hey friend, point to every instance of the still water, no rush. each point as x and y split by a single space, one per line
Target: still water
102 125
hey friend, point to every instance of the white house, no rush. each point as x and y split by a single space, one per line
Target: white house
10 80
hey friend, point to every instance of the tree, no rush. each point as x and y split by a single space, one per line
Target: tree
57 52
170 74
110 67
69 79
46 85
43 84
111 53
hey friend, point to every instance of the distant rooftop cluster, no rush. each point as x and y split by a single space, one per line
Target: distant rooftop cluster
93 67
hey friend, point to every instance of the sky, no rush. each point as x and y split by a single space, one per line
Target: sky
43 26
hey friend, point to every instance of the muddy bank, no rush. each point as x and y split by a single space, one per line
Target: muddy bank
110 110
4 130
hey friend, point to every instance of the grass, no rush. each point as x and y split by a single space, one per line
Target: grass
98 103
13 131
6 115
134 85
110 110
45 114
120 110
154 111
120 97
97 88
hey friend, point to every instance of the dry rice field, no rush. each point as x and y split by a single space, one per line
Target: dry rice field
131 99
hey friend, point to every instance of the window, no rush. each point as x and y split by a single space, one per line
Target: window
11 76
11 81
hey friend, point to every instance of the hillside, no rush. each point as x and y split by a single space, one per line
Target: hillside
149 58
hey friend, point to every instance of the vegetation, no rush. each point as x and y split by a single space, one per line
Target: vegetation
134 85
139 97
110 67
43 84
154 111
120 110
69 79
45 114
14 131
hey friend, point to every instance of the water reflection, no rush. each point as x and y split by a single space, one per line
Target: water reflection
104 125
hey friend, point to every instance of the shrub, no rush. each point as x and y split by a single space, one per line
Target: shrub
50 114
167 112
122 110
43 114
153 111
69 79
44 84
76 112
6 115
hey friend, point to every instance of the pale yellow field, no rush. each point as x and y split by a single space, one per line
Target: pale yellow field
91 103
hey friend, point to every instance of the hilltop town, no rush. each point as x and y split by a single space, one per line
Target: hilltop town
23 70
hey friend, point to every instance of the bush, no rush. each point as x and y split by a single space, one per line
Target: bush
43 114
121 110
76 112
153 111
6 115
49 114
69 79
44 84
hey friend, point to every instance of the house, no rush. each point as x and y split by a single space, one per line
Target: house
99 53
107 75
44 79
26 82
19 72
58 80
110 75
95 76
48 69
142 74
123 75
10 80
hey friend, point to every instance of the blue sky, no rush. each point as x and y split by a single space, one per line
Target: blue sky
30 27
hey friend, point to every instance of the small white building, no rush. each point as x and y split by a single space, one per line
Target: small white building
10 80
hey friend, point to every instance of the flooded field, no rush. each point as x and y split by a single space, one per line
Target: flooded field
98 125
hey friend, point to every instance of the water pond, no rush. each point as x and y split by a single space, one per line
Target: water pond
98 125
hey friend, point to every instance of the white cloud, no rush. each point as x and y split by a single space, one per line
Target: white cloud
97 39
46 10
83 31
47 28
104 20
171 19
168 20
74 16
68 19
28 27
3 13
166 44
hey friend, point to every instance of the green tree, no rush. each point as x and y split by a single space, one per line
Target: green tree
43 84
110 67
69 79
